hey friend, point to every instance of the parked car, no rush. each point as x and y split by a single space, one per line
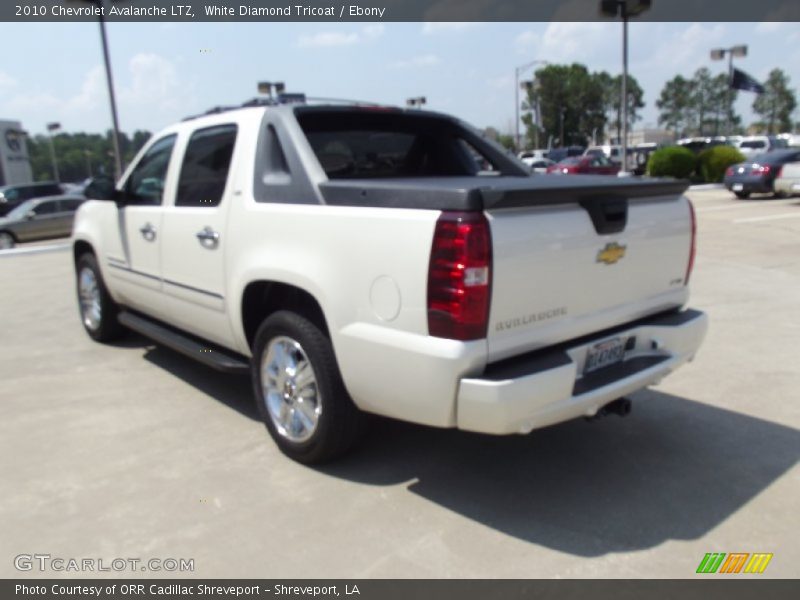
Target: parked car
757 174
541 165
557 154
606 150
641 155
531 156
695 144
612 152
12 196
594 165
758 144
787 182
39 219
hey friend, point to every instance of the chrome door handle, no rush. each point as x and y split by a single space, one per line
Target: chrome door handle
208 237
148 232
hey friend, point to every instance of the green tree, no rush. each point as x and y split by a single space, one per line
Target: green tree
777 103
702 105
723 99
80 155
674 105
571 102
612 93
505 140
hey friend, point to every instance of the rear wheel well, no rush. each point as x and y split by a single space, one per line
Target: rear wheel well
80 248
262 298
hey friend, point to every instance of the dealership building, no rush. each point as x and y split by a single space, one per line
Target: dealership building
15 164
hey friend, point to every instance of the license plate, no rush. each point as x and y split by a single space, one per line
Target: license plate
604 354
737 187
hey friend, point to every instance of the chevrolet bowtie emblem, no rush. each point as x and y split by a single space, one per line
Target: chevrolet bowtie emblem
611 254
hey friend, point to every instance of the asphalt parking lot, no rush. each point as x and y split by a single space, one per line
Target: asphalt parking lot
134 451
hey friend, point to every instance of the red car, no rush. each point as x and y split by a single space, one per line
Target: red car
593 165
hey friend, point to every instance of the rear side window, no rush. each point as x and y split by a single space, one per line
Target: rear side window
370 144
71 205
205 166
46 208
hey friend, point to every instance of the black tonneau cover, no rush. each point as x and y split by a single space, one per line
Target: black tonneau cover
484 193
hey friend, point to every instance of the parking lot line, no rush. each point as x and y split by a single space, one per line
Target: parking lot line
794 215
738 204
35 249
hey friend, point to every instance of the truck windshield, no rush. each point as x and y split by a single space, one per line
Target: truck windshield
362 144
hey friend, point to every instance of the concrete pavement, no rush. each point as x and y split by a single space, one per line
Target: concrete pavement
134 451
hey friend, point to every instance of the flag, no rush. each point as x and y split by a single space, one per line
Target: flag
743 81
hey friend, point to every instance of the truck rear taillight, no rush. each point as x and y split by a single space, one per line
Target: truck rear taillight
460 277
693 247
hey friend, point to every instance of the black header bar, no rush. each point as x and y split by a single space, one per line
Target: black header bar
386 10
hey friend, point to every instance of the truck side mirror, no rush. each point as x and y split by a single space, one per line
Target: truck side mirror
101 189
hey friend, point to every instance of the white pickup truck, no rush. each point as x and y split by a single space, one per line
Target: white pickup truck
364 259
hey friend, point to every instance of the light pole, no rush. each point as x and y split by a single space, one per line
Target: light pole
51 127
532 87
739 51
417 102
110 82
517 72
626 9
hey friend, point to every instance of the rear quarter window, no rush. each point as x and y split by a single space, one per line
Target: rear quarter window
369 144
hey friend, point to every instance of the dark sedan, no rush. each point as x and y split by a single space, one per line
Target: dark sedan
12 196
757 174
595 165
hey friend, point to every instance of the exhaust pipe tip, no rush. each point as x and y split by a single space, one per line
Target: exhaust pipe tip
621 407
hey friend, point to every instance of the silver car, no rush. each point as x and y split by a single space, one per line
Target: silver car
39 219
787 183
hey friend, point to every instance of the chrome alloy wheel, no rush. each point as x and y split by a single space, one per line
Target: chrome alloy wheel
289 389
89 293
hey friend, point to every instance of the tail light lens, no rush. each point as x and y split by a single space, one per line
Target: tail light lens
459 277
693 247
760 170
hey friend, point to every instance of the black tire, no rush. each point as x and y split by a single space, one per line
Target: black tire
7 240
742 195
339 423
106 328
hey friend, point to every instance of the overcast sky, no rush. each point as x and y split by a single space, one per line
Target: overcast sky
163 72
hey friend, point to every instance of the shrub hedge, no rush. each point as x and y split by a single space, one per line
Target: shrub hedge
712 163
672 161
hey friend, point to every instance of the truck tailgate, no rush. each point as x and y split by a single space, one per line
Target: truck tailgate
560 271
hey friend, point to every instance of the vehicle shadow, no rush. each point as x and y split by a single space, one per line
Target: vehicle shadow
234 391
673 470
